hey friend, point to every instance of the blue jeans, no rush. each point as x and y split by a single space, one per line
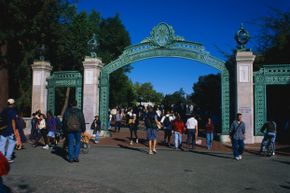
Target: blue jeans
10 147
191 137
271 135
151 134
177 139
209 139
238 147
74 145
98 133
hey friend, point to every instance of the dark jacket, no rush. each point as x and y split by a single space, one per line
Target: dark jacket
69 112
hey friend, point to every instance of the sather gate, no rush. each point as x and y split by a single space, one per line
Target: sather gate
163 42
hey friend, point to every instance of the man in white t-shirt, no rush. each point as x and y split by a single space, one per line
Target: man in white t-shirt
192 130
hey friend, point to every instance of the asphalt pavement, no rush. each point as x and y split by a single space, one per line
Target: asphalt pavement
129 169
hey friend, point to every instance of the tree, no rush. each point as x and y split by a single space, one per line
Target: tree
176 98
207 96
273 44
147 93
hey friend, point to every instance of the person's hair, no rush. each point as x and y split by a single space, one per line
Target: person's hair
178 117
193 114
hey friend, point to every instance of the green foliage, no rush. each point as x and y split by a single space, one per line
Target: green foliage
207 95
176 98
146 93
274 39
26 25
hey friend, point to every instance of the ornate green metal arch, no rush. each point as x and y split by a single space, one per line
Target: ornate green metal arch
268 75
162 42
64 79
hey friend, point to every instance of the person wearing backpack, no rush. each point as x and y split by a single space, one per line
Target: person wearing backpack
151 122
7 137
74 123
166 122
269 130
237 135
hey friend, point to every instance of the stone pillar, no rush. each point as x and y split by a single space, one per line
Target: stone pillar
245 92
41 72
92 69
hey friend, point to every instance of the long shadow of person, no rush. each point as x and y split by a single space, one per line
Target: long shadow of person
60 151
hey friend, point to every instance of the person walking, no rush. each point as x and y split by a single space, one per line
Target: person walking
151 122
41 125
166 122
237 135
74 123
178 127
118 121
192 130
96 127
133 127
7 139
51 127
209 128
21 125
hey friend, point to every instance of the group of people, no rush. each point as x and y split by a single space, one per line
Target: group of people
48 127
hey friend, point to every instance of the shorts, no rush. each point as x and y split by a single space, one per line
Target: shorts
151 134
51 134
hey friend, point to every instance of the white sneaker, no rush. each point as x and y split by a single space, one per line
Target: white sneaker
273 154
150 152
96 142
131 142
237 158
240 157
137 141
45 147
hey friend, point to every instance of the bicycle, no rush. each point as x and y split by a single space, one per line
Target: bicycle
267 146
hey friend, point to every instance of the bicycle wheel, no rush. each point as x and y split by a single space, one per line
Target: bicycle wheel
85 148
270 149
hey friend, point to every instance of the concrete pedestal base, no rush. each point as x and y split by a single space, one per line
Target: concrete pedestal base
225 139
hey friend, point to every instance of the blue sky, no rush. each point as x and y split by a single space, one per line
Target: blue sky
212 23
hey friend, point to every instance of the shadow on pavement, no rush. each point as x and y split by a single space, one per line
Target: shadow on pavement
283 162
132 148
59 151
219 155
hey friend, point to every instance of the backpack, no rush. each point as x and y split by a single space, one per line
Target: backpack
150 121
167 122
73 122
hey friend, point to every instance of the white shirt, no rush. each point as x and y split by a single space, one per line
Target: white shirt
171 118
191 123
42 124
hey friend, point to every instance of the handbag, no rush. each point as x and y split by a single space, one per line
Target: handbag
4 165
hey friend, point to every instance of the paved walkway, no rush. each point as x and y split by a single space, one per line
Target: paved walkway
122 168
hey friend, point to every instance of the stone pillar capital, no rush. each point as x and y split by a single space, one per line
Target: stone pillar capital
245 56
41 65
93 63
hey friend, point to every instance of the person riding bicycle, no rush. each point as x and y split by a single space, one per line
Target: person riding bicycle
269 130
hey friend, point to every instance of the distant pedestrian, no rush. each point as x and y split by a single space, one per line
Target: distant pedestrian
41 125
74 123
96 127
51 127
192 130
209 128
151 122
178 127
7 140
33 130
21 125
237 135
133 127
118 121
166 122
